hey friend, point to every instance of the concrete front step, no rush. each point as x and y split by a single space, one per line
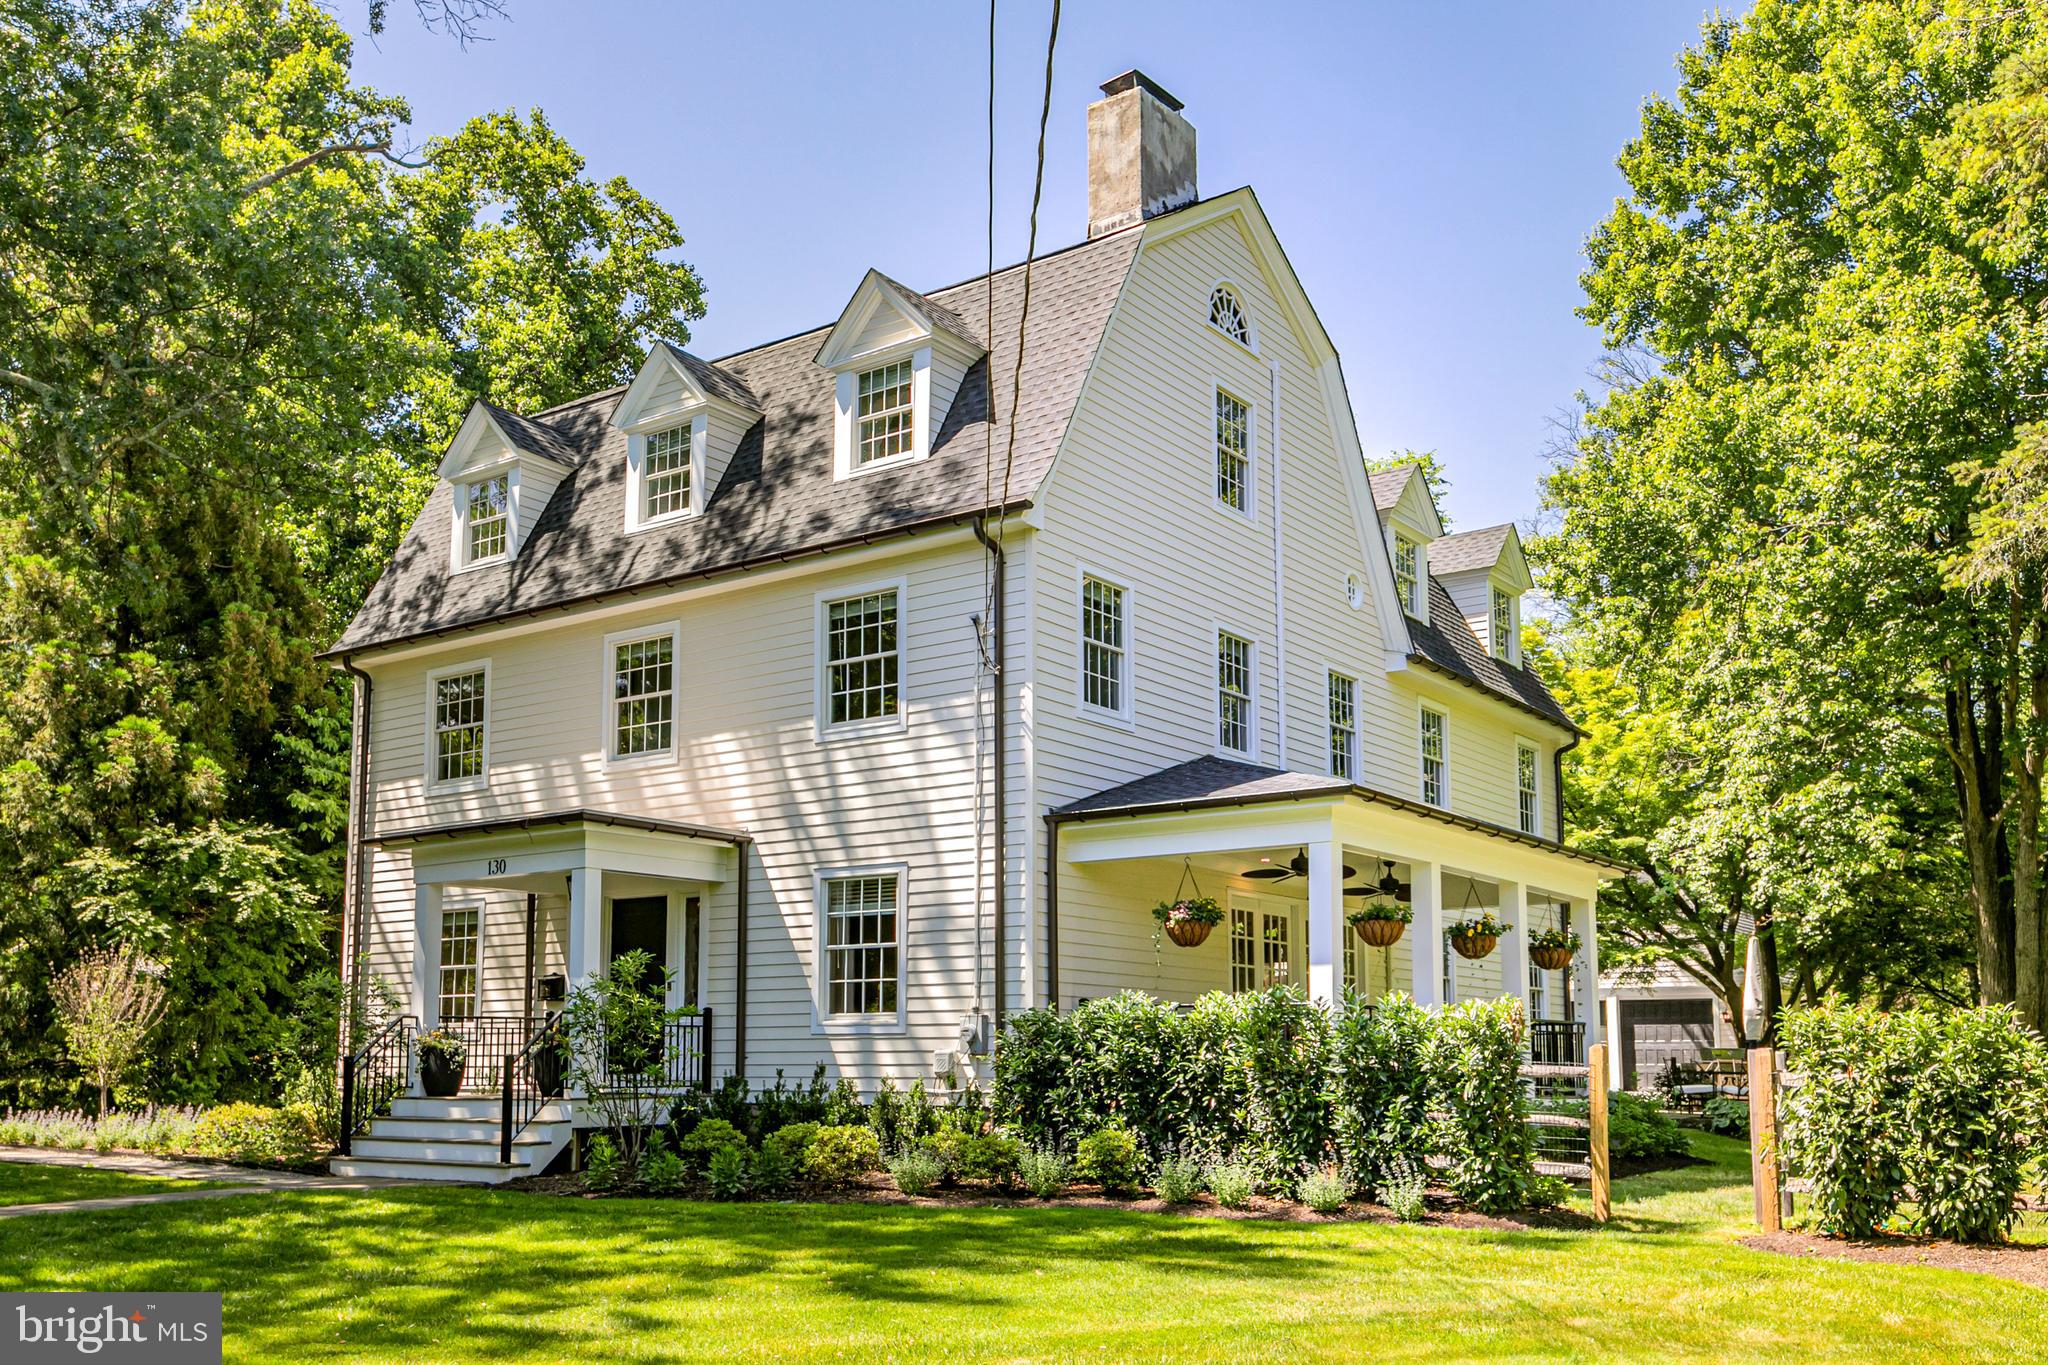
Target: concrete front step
463 1172
488 1108
459 1130
376 1146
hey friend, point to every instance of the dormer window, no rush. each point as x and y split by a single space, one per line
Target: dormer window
1227 315
1407 575
486 518
886 413
683 418
665 474
1503 626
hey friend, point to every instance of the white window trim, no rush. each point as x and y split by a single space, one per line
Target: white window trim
1421 787
636 473
1507 651
821 667
846 424
1125 717
1357 744
432 755
1251 322
1419 609
1218 629
459 547
823 1023
1250 510
606 664
1524 742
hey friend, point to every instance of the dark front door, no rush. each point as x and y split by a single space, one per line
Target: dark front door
641 922
1654 1032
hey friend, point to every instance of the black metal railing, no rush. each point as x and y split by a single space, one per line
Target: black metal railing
1557 1042
681 1060
375 1074
529 1079
489 1039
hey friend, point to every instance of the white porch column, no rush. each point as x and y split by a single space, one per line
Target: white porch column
586 925
1589 969
1426 958
1326 927
426 953
1514 944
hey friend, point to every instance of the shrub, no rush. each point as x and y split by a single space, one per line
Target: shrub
706 1140
1231 1182
842 1154
778 1106
661 1170
730 1173
1548 1192
1324 1189
1404 1189
1474 1062
916 1170
1841 1126
1729 1118
1638 1130
1109 1157
773 1169
1975 1112
843 1108
792 1141
1178 1179
603 1168
1045 1171
1380 1087
252 1133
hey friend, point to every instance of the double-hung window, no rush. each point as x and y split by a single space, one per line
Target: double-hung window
1539 992
863 661
1435 771
460 700
863 937
883 409
1233 452
487 519
1407 575
458 964
665 474
1233 693
1528 812
1343 728
642 701
1503 630
1105 681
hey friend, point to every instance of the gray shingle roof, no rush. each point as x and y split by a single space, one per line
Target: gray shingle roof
778 496
1207 779
935 314
1388 483
1449 644
535 438
1469 549
714 381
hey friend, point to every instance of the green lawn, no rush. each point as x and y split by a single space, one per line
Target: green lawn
454 1274
21 1183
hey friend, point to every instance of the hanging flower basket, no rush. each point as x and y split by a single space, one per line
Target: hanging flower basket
1475 938
1190 915
1553 949
1188 933
1382 923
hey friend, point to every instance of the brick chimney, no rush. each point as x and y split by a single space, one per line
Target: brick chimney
1141 154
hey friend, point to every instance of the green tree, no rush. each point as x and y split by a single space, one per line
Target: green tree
1434 476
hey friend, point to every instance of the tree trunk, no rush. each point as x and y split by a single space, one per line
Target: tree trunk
103 1103
1976 757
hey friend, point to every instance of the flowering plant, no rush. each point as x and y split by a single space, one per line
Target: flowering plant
1488 925
1380 910
446 1045
1566 939
1189 910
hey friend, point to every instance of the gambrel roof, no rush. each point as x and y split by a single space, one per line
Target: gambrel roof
1446 643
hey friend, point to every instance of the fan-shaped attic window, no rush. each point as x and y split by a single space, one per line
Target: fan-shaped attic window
1227 315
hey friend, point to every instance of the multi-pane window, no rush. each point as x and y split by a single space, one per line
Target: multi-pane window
458 964
459 703
1233 451
1434 785
1343 728
1526 808
861 658
665 473
1233 693
1539 992
1102 645
863 919
1450 979
1275 955
488 516
1407 578
1244 954
1227 315
1503 623
643 695
884 413
1351 961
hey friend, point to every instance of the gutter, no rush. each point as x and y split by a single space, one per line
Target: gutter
355 892
998 852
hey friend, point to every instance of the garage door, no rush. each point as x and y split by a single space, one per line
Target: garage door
1656 1031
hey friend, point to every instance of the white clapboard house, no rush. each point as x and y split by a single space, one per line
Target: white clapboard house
876 716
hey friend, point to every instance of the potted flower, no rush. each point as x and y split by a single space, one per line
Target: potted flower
1477 937
551 1065
442 1057
1553 949
1187 921
1380 922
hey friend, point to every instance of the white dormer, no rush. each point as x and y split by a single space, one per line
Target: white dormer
1486 574
1408 518
683 418
899 359
501 470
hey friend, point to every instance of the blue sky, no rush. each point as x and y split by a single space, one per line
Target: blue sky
1432 169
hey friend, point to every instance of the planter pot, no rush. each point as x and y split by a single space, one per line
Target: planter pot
1380 933
1189 933
550 1072
1551 959
439 1076
1474 945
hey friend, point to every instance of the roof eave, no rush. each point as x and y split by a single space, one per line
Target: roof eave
1561 722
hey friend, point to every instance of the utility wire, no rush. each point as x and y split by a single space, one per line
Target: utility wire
1030 250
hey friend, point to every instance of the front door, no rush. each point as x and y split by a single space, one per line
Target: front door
641 922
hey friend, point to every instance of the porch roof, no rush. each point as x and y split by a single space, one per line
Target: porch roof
513 824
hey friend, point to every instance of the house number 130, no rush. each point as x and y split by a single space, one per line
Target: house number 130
494 867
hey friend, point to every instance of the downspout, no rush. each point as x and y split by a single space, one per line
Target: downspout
999 801
743 849
532 923
355 886
1279 566
1052 912
1557 780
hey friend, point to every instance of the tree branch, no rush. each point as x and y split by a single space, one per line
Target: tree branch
319 154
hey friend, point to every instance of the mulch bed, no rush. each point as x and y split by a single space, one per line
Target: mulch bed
1442 1212
2025 1263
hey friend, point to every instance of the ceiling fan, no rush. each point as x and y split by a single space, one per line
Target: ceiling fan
1389 884
1297 866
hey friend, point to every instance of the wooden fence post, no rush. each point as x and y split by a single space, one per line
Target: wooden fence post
1763 1136
1596 1134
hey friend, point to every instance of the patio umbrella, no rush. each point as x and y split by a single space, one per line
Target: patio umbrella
1754 1024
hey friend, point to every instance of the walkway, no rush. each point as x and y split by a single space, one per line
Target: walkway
246 1179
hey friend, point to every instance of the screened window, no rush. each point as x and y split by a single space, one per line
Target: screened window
884 413
665 473
643 695
488 516
1103 683
1244 954
1503 623
861 658
1233 693
1343 728
459 710
1525 788
1233 452
1227 315
458 964
1434 783
1407 578
863 918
